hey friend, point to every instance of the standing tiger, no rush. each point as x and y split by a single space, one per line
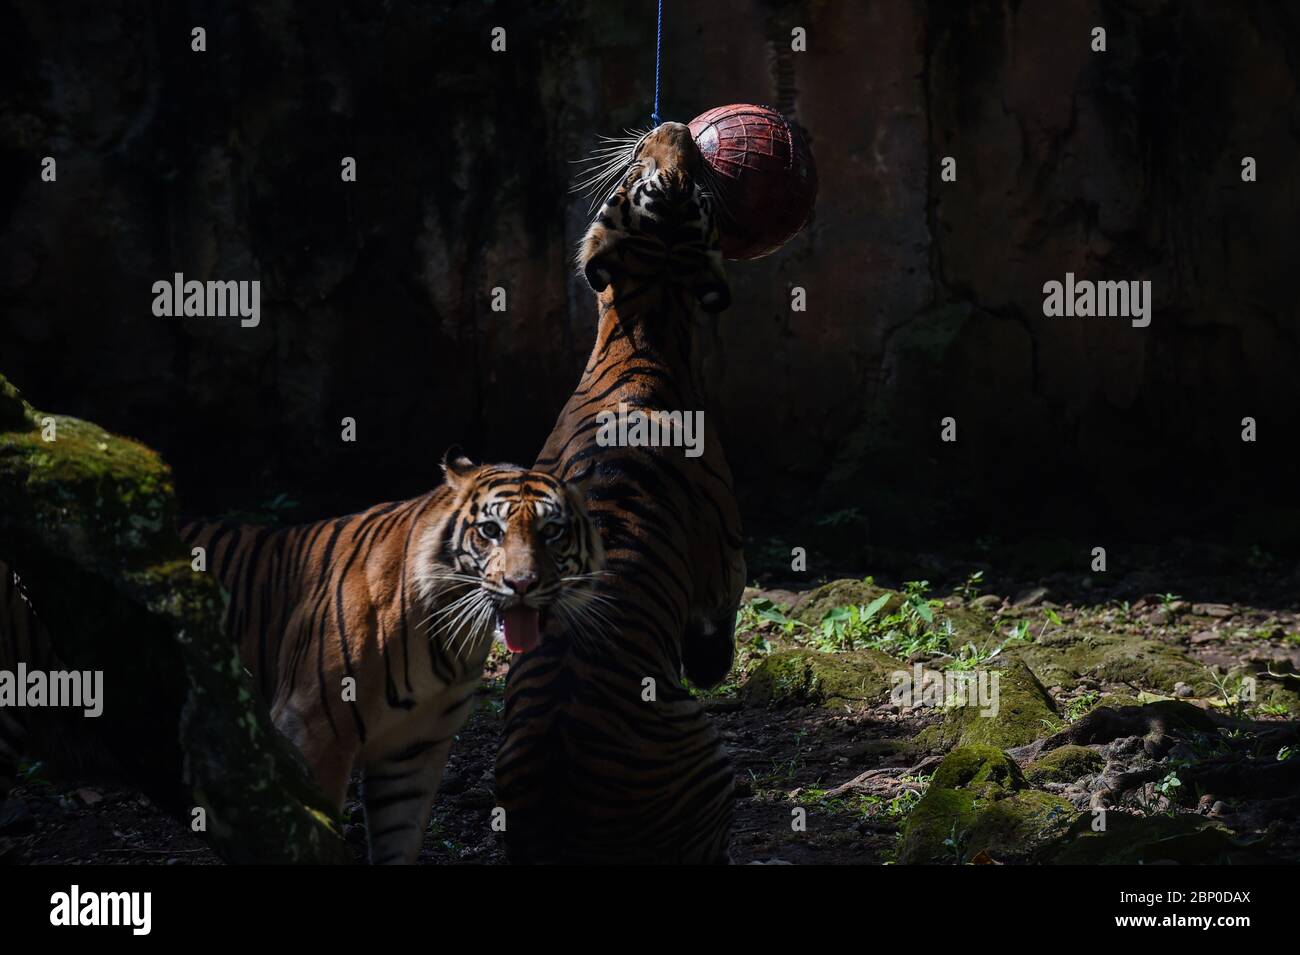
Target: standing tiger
367 634
606 756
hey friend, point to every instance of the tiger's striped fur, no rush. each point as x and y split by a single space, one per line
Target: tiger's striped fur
589 769
403 599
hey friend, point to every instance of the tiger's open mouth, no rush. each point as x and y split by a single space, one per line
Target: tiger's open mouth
520 627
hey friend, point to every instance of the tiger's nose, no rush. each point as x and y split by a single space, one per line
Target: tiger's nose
522 583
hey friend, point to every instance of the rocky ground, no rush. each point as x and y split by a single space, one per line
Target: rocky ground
1130 727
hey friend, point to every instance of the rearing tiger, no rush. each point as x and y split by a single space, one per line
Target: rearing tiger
606 756
367 634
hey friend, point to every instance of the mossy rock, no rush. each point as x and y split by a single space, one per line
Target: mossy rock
831 679
1025 712
1065 765
15 414
108 498
1147 840
842 593
979 802
89 521
985 770
1064 657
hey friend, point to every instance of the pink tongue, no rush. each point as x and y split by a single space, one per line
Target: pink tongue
520 625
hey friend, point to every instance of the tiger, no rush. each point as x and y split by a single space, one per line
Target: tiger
606 757
367 634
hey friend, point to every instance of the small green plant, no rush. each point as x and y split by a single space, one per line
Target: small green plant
1231 695
1081 705
1274 709
1019 633
971 657
956 843
1285 753
1168 785
971 588
754 614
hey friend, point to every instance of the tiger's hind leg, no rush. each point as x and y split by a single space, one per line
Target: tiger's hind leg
398 794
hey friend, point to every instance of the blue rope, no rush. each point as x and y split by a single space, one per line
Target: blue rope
659 44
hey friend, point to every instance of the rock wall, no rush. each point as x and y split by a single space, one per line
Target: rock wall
925 296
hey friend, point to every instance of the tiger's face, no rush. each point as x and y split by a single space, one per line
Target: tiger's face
518 547
660 222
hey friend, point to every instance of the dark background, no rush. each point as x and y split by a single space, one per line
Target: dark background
924 297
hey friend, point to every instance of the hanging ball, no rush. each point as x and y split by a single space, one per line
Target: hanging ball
765 173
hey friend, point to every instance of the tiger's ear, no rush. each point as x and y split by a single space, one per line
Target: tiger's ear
576 491
456 466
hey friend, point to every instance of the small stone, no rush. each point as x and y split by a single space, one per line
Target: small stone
1205 803
987 601
1213 610
90 797
1028 598
1205 636
1182 690
1219 808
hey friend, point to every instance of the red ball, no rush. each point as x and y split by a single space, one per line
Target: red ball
765 172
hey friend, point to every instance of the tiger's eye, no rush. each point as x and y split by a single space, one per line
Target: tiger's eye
489 529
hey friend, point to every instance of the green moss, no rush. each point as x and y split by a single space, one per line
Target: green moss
1065 765
1148 840
1064 657
1024 713
809 677
985 769
979 802
107 496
